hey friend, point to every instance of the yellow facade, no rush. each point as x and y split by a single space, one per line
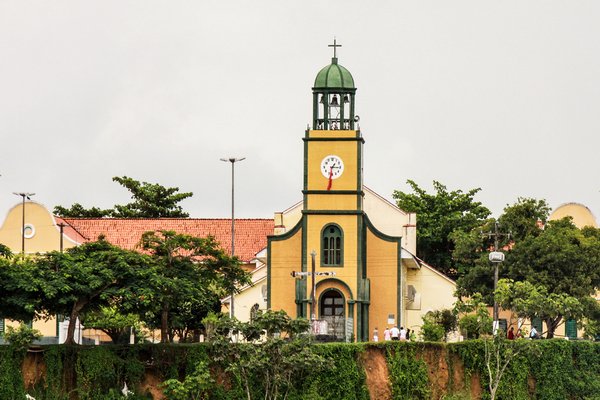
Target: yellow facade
42 234
360 264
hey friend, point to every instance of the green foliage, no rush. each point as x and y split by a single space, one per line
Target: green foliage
21 283
438 324
150 200
441 214
5 251
87 277
344 378
529 301
78 211
474 318
517 222
562 261
408 375
523 218
196 385
277 354
182 286
431 331
21 337
11 379
114 323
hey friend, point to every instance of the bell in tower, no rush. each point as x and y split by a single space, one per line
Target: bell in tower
333 97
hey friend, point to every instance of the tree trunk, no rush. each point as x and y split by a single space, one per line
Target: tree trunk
164 324
79 304
552 324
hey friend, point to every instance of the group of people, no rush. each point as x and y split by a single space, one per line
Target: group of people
511 335
392 334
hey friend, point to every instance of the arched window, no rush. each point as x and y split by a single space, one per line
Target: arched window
333 245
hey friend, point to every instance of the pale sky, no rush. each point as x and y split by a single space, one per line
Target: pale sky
501 95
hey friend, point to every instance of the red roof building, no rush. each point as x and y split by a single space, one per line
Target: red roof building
250 234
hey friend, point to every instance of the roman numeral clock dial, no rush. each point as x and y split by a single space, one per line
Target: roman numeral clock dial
332 168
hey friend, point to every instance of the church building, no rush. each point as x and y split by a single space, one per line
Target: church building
344 256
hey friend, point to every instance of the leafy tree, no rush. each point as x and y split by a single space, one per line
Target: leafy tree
78 211
517 222
89 276
5 251
523 218
498 354
22 337
115 324
439 215
186 269
529 301
438 324
150 200
21 283
277 355
474 319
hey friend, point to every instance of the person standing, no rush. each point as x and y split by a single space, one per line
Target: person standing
395 333
402 334
511 333
375 335
386 334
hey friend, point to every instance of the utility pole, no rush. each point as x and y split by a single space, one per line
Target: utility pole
62 229
24 195
496 257
232 160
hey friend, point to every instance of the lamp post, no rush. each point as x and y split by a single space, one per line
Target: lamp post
27 196
232 160
496 257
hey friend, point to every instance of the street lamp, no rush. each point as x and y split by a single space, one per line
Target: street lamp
232 160
496 257
27 196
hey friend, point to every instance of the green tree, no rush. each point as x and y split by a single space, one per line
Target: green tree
187 268
78 211
528 300
89 276
150 200
474 319
115 324
438 324
277 354
518 221
439 215
21 283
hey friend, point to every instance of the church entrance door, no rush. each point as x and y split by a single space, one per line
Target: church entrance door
333 310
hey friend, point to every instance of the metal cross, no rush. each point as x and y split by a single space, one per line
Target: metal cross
334 45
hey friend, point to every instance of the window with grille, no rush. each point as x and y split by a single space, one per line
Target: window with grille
333 245
571 329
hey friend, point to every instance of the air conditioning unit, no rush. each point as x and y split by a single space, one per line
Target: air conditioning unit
264 291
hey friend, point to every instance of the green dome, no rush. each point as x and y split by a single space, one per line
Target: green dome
334 76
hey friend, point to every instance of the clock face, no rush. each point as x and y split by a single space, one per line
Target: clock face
332 167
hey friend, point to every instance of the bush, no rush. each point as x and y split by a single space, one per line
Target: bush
21 337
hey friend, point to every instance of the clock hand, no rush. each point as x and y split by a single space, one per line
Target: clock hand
330 178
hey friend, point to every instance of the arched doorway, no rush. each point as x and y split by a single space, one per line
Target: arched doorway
332 308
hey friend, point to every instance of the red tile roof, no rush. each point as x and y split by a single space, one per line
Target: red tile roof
250 234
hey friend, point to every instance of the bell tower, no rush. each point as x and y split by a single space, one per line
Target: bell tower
333 96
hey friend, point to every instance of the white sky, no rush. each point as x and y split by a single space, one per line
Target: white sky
502 95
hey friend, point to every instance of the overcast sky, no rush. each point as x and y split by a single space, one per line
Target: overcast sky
500 95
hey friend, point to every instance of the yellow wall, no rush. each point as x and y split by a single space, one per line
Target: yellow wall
382 271
286 257
436 292
47 234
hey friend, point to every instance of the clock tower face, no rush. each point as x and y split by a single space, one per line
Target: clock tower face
332 167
